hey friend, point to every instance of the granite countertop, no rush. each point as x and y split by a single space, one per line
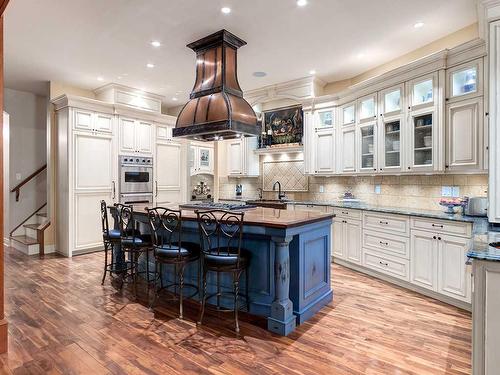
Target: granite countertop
434 214
483 236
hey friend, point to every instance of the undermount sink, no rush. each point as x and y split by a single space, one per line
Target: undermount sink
269 203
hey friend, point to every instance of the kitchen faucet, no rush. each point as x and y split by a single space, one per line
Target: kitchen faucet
280 194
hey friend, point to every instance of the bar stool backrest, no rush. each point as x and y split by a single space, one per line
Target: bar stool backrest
166 228
221 232
126 222
104 219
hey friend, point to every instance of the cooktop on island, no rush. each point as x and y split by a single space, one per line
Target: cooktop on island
216 206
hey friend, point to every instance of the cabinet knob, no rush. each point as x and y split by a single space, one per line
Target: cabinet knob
434 237
409 168
439 238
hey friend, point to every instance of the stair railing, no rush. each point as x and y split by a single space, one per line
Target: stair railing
18 187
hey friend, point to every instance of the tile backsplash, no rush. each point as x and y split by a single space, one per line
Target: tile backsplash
400 191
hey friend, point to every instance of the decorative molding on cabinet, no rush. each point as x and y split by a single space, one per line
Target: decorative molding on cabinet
278 150
120 94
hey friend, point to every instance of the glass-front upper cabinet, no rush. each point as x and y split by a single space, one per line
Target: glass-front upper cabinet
325 118
390 142
422 140
348 114
391 101
464 81
422 92
368 160
367 107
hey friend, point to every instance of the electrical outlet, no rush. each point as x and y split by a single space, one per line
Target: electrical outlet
455 191
18 176
446 191
378 189
321 189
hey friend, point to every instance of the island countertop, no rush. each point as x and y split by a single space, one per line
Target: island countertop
259 216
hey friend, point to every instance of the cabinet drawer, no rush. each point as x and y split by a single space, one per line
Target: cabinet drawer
392 224
387 243
442 226
389 265
347 213
309 207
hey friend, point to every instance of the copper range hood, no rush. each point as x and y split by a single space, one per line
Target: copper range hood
216 109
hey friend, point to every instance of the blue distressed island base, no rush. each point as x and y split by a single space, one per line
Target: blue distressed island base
289 269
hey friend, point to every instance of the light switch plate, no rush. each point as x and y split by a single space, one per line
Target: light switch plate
18 176
455 191
321 189
378 189
446 191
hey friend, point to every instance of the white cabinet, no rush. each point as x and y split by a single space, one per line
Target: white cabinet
423 140
136 136
494 123
168 172
347 149
464 81
454 277
391 144
422 92
201 159
241 158
391 101
346 240
367 147
464 135
348 114
93 121
324 152
423 259
367 108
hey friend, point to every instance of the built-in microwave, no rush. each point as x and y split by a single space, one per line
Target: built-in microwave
136 175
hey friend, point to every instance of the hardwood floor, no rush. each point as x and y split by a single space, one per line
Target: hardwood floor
62 321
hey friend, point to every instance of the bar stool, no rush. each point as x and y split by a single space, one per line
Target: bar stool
170 249
220 238
133 243
109 238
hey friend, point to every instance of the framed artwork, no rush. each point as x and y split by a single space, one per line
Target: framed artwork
287 124
204 157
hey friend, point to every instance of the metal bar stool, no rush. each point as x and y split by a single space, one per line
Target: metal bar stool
134 244
220 238
169 249
110 238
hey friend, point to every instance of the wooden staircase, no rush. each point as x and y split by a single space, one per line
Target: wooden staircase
29 237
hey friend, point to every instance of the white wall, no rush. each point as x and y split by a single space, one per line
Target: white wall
27 141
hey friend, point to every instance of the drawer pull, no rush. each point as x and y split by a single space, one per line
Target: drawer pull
345 213
384 222
384 243
383 263
438 225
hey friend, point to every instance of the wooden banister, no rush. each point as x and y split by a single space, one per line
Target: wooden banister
26 180
25 220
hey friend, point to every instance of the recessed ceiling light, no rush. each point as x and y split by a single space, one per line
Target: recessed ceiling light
100 79
301 3
312 72
418 25
174 99
150 66
155 43
259 74
225 10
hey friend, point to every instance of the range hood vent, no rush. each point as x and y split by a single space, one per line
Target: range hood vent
216 109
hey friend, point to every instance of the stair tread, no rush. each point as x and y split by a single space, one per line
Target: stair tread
43 214
31 226
25 240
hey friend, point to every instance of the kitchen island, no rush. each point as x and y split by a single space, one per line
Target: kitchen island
289 268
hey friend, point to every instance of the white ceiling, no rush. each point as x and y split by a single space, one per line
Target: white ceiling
75 41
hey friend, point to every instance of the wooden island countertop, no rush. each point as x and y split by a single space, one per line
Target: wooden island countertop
259 216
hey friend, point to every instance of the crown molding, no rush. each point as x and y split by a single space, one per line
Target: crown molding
487 11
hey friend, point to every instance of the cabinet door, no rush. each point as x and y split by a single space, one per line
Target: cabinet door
422 92
235 157
347 155
454 279
325 162
423 259
391 143
352 240
163 132
337 239
367 147
93 162
325 118
144 137
103 123
84 120
391 101
464 81
423 140
348 114
367 108
205 160
168 167
464 134
127 135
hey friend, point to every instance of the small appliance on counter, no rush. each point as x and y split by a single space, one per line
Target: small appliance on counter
476 206
239 190
201 192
